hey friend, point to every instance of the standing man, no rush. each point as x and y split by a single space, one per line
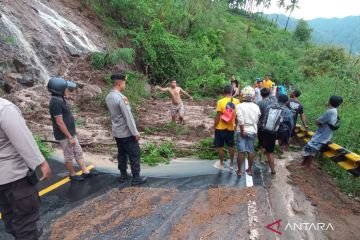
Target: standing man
259 86
266 140
64 127
224 131
124 130
267 83
286 125
19 156
248 114
326 125
177 107
297 109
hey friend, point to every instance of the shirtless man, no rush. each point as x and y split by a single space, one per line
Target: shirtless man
177 107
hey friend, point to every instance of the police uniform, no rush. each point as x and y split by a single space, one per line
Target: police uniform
19 199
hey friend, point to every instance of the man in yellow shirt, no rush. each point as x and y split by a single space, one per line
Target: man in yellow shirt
224 131
267 83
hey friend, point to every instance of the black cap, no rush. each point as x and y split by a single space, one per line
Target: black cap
335 101
296 93
283 98
118 76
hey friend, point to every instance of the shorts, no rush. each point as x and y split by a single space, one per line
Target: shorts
283 137
267 141
246 144
308 151
71 153
223 137
177 109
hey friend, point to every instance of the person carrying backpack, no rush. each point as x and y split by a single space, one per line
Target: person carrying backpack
287 123
224 125
327 123
266 139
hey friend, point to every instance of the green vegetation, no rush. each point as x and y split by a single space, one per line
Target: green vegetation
302 32
206 149
135 89
152 154
45 150
201 43
101 60
171 127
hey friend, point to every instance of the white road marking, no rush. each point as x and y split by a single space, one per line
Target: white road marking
252 209
249 179
253 220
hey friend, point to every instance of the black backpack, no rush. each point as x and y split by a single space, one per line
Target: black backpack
336 126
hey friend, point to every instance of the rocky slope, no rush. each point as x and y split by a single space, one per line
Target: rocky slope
39 39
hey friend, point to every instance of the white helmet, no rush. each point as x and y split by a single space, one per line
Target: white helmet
247 94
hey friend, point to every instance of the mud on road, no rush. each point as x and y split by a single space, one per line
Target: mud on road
157 213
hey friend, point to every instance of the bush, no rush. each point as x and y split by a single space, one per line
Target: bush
206 149
101 60
44 149
152 155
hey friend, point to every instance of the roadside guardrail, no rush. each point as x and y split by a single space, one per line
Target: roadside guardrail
343 157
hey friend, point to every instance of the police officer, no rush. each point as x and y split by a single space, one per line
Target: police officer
19 156
124 130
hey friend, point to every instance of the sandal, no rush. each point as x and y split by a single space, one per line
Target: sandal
248 172
238 174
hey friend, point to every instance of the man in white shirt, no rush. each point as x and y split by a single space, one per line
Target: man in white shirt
248 114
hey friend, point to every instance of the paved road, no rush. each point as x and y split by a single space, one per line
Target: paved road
188 213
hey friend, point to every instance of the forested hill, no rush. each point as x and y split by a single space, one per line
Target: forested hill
343 32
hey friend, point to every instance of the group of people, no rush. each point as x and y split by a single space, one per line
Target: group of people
267 113
269 118
20 155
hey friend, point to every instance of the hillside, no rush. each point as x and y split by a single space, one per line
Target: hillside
344 32
188 195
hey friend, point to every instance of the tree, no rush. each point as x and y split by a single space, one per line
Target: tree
293 4
303 31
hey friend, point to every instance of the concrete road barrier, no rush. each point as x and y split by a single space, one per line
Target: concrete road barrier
343 157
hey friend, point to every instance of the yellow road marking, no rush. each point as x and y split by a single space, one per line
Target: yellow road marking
60 183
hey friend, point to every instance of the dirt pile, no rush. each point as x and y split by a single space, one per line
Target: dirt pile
102 214
154 120
332 205
209 209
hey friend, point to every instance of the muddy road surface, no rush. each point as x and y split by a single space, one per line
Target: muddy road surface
186 199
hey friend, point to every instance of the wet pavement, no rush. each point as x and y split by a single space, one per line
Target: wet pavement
189 185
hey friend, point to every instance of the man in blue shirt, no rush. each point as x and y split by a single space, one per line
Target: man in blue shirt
324 133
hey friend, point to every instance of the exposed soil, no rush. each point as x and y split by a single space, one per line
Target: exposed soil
207 217
208 209
108 211
332 205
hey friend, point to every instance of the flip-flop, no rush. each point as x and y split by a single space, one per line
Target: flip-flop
248 172
237 173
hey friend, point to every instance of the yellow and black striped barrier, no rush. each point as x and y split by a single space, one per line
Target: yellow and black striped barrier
343 157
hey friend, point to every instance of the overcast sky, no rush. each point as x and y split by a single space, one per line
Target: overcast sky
310 9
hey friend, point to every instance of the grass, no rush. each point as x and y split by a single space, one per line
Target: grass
344 180
101 60
172 127
152 154
45 150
